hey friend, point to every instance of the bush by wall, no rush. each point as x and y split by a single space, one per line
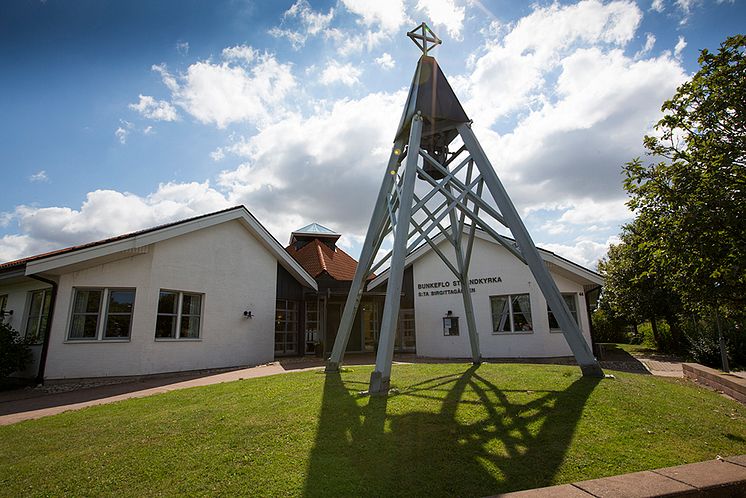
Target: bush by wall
14 352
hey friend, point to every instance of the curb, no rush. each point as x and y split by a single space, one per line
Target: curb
732 385
723 477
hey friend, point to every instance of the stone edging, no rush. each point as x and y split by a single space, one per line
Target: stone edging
732 385
722 477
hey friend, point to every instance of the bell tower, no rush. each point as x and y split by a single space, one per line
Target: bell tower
436 151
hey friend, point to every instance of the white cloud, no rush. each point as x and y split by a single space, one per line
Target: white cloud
657 6
40 176
240 53
226 93
310 23
584 252
385 61
680 46
326 167
296 170
334 72
388 15
382 19
14 247
166 77
513 71
182 48
105 213
121 134
576 107
218 154
444 13
649 43
159 110
148 130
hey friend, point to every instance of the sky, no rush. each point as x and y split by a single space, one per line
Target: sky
118 116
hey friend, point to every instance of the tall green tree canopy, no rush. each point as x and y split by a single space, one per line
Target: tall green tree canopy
693 199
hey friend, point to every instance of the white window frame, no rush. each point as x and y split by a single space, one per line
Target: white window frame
179 315
511 314
102 314
574 313
29 302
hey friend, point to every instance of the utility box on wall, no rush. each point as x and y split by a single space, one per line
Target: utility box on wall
450 324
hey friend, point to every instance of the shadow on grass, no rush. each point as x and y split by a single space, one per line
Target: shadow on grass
458 435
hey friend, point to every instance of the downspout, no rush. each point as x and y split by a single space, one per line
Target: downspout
47 329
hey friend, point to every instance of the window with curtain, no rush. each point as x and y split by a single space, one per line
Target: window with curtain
38 315
179 315
511 313
101 314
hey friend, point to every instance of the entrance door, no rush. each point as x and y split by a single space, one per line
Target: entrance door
405 336
370 325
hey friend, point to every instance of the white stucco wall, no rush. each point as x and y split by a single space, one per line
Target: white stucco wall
488 260
225 263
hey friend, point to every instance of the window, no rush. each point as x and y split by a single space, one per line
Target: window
511 314
38 315
116 306
179 315
286 326
3 304
571 305
312 325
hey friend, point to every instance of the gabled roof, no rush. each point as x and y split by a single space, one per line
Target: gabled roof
317 258
556 263
135 241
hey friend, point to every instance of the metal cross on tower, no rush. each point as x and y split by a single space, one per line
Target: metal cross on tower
435 144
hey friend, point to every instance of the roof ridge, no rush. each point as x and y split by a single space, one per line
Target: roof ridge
321 255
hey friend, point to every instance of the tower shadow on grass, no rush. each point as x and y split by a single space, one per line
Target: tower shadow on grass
474 440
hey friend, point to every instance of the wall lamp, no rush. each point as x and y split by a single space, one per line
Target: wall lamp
248 314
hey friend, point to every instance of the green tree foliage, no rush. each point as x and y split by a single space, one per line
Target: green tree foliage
636 285
14 353
691 205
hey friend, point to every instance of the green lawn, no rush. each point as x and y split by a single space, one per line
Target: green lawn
453 430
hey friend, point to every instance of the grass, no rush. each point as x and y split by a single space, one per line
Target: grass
453 430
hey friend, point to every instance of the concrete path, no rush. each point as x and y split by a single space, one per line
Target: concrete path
666 368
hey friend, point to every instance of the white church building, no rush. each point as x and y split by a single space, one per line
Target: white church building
218 291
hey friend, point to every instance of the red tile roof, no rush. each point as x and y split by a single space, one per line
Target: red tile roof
317 258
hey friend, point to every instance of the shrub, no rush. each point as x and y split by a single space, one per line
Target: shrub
703 344
14 352
607 328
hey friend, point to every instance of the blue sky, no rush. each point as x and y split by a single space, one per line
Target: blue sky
123 115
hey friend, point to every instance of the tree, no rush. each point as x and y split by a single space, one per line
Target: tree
636 287
695 196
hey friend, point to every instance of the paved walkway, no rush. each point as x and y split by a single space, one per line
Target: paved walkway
615 358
